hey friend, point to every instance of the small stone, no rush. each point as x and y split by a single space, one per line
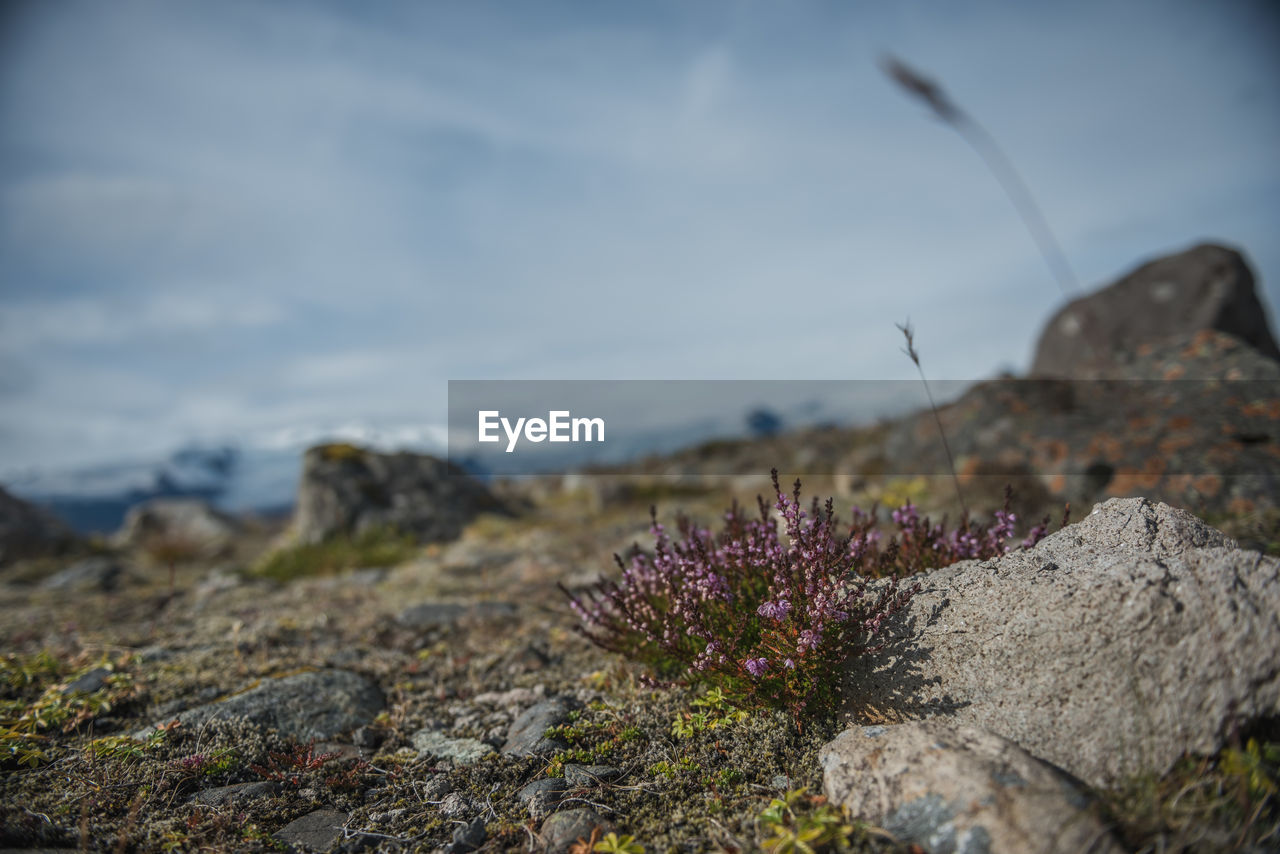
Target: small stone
469 837
458 751
436 788
457 805
318 830
563 829
235 793
367 738
541 796
94 680
526 737
590 775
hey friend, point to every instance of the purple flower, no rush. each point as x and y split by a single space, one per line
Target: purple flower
1036 534
906 515
775 610
756 666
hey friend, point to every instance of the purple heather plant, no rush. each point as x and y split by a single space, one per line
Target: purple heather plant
767 619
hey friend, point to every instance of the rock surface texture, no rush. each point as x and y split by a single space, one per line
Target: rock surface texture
187 523
348 490
959 790
1205 287
314 705
1109 649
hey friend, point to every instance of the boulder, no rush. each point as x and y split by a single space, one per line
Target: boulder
959 789
182 527
1205 287
347 490
27 531
1111 648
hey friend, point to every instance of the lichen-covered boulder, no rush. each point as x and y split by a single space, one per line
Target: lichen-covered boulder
1111 648
959 789
347 490
27 531
186 527
1205 287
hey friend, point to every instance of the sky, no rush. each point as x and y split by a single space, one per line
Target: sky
233 221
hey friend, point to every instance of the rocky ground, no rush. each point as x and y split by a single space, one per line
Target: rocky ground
443 703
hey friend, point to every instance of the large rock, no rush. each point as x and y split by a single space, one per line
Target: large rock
1206 287
953 790
26 531
1109 649
188 527
347 490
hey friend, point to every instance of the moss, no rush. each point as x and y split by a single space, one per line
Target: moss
373 548
336 452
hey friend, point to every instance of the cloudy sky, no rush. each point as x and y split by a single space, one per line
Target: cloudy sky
230 219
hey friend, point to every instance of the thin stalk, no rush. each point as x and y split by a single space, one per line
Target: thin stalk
997 161
911 352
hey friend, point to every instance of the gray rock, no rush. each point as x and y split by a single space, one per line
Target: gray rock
458 751
959 790
94 680
590 775
561 830
1113 647
436 788
456 805
315 705
190 527
1205 287
27 531
347 490
469 837
236 793
526 736
541 796
317 831
99 573
435 615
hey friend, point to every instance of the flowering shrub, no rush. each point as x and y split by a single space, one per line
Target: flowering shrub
771 621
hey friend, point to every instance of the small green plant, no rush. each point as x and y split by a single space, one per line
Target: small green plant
612 843
380 547
672 770
793 831
35 702
125 747
1256 765
716 713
